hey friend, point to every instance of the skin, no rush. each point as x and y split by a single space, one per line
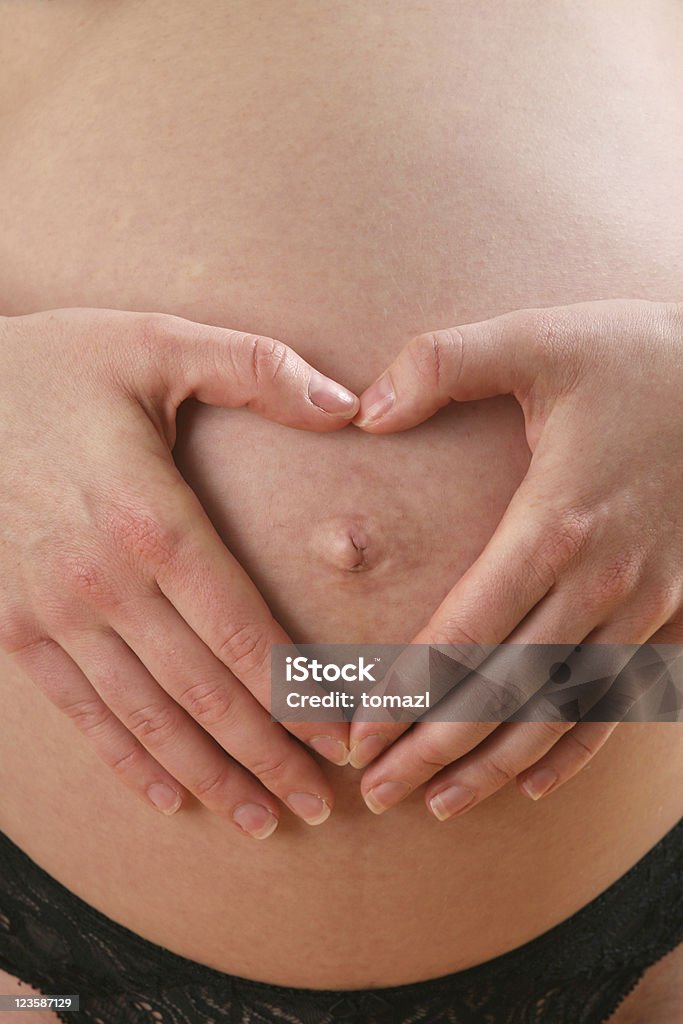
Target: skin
589 548
247 192
78 637
121 581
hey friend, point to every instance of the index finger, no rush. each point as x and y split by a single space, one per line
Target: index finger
417 669
465 363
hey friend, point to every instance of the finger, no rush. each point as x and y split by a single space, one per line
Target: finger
440 671
465 363
416 757
371 730
635 660
503 686
615 666
57 675
218 702
166 731
647 666
663 700
367 741
176 359
558 663
569 755
527 555
492 765
174 543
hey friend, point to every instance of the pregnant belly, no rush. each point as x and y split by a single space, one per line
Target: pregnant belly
331 182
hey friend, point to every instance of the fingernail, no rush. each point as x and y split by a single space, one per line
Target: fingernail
365 750
539 782
376 401
330 396
255 819
164 798
381 797
450 801
310 807
334 750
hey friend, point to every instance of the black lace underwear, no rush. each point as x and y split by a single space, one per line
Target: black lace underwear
575 973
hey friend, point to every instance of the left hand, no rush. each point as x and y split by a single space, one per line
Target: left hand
590 548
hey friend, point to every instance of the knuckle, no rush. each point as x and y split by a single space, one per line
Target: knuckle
244 648
551 331
153 330
561 544
154 723
272 769
573 531
662 602
583 744
142 535
89 714
436 358
80 574
551 731
497 769
553 334
498 701
541 567
210 703
486 699
125 763
255 358
153 334
213 784
18 635
268 359
432 749
618 578
457 637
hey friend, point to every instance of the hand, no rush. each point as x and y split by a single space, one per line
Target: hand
590 547
119 599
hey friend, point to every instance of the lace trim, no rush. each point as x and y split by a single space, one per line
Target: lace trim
577 972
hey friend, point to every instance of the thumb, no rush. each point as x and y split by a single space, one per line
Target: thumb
474 361
181 359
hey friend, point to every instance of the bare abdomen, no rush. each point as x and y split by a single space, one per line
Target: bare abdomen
341 177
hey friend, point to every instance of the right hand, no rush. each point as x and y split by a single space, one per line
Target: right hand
118 598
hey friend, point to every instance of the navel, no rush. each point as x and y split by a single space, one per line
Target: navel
349 543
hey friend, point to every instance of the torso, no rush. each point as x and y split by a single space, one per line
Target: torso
340 177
